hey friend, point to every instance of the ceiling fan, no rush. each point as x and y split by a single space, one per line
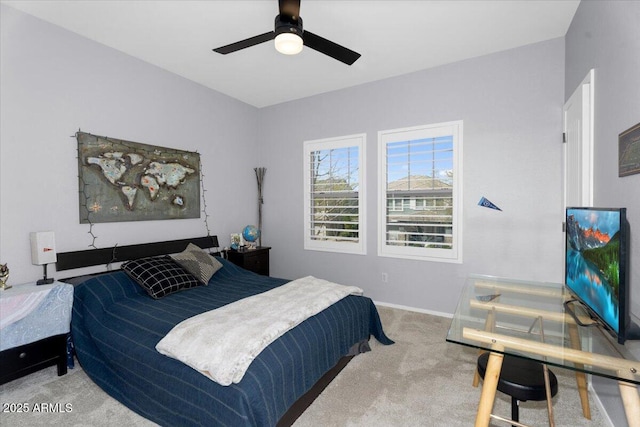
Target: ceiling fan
289 37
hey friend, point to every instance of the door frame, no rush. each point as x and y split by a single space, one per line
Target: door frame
587 90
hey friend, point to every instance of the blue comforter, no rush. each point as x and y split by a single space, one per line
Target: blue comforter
116 326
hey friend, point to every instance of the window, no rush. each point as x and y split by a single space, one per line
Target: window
420 176
334 193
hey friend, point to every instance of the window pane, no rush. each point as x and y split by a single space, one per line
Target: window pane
334 194
333 198
418 187
420 170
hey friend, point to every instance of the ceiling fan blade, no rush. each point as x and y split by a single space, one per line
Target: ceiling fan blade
290 8
243 44
330 48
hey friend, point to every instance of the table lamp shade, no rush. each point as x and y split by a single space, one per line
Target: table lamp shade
43 248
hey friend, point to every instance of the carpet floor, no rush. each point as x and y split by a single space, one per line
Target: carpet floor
421 380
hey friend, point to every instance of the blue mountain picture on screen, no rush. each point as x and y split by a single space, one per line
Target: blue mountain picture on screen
593 251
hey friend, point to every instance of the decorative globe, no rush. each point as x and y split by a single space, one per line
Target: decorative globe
250 233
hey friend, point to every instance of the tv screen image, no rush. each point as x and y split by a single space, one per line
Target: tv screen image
595 262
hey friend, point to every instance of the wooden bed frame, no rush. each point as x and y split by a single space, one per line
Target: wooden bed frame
93 257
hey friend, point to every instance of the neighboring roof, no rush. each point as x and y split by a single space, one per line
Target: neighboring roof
417 183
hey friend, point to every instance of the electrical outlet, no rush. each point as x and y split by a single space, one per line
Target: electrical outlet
385 277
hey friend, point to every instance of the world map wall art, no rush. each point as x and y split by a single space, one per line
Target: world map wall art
128 181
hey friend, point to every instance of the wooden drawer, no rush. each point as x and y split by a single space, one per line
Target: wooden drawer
258 263
19 361
256 260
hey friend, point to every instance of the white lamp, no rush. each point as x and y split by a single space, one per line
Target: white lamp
288 43
43 252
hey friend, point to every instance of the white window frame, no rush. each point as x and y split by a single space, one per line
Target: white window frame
453 255
359 247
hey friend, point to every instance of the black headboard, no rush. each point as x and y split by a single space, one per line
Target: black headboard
91 257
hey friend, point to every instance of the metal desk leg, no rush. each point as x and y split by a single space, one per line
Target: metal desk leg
489 388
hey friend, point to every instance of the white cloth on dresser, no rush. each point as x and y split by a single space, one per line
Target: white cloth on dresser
222 343
29 313
17 306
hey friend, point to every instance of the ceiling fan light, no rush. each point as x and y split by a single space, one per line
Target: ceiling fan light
288 43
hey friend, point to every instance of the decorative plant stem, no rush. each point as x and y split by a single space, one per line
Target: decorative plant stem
260 172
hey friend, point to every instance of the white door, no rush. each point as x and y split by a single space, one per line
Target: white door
578 147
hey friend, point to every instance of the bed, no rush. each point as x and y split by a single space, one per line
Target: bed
116 326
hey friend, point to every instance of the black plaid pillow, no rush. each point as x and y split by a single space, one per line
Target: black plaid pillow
198 262
159 276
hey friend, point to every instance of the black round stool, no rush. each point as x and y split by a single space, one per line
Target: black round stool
522 379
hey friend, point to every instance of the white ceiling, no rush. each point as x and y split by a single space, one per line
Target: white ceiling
394 37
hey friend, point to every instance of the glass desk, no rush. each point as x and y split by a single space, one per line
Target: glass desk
528 319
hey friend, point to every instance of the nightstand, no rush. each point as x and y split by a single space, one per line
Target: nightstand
256 260
35 323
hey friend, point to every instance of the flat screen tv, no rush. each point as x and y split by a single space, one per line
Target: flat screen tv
596 261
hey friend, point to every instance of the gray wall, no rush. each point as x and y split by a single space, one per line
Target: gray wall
54 82
605 36
511 105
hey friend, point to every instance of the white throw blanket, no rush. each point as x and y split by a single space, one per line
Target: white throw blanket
222 343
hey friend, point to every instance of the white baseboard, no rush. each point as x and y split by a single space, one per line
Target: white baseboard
418 310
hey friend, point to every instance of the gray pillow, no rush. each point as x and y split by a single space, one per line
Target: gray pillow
197 262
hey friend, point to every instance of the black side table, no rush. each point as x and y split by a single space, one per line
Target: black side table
256 260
